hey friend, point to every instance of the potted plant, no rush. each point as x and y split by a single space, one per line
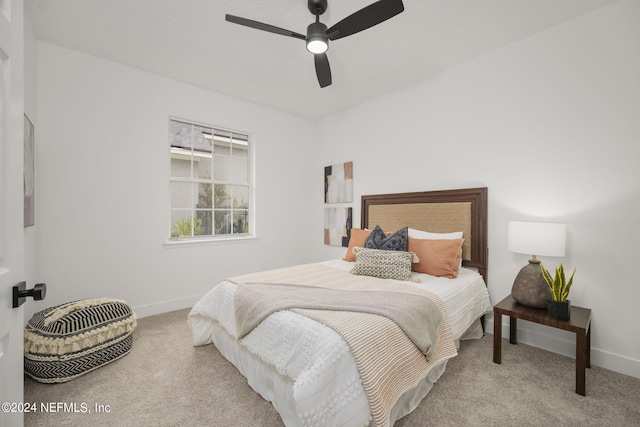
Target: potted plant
558 305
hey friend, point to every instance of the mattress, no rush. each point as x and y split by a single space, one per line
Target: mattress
306 370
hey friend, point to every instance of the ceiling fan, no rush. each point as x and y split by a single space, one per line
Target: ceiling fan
318 35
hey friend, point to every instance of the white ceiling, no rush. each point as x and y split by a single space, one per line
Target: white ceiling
189 40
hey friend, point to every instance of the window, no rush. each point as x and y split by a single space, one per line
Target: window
211 182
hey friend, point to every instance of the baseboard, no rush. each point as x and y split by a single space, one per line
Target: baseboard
562 342
165 306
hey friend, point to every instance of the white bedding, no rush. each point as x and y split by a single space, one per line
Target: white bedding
305 368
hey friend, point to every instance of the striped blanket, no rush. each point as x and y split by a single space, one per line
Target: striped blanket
388 361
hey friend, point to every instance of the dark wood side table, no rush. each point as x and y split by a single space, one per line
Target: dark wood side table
580 323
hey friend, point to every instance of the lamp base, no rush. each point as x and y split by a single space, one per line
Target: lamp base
529 287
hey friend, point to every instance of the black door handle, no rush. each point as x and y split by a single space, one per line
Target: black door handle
20 293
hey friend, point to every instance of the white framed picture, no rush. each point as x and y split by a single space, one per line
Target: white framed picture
338 183
337 226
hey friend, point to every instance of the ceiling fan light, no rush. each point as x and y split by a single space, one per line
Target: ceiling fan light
317 37
317 45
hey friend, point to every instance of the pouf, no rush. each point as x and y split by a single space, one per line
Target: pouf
66 341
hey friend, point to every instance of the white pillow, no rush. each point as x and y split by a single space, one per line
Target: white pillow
419 234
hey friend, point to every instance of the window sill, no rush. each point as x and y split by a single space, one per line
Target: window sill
206 241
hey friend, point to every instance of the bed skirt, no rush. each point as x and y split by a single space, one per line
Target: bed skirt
278 389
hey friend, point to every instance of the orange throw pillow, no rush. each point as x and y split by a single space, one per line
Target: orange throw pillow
437 257
358 236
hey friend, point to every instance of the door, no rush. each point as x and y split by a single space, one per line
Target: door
11 209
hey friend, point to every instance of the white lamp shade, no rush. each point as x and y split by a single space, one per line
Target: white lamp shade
537 238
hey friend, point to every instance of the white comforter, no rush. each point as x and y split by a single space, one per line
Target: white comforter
326 385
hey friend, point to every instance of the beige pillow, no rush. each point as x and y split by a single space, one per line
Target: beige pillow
358 236
384 264
437 257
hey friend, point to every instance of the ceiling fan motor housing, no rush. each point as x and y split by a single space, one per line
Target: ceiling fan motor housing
317 33
317 30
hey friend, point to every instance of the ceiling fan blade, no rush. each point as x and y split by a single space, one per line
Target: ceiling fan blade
264 27
365 18
323 70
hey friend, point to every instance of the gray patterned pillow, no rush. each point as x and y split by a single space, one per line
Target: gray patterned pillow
398 241
384 264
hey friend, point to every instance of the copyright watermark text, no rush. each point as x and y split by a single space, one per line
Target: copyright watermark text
53 407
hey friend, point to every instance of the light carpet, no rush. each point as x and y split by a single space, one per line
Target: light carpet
165 381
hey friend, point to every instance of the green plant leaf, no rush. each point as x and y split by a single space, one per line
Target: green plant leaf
567 288
557 285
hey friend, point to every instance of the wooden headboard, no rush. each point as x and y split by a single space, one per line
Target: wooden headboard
436 211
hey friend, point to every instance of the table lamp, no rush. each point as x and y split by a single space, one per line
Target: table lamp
536 239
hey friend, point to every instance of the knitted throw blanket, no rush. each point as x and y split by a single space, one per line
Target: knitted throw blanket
416 315
388 361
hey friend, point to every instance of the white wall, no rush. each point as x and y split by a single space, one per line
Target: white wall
551 126
103 192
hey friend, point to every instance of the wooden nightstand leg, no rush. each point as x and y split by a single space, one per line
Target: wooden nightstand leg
497 336
581 361
513 330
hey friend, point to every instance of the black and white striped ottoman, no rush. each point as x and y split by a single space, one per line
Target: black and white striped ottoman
66 341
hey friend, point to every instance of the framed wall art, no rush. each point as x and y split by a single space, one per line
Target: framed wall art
338 183
337 226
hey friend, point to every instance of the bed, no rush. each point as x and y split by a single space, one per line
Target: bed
326 365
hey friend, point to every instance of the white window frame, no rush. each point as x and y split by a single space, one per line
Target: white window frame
212 238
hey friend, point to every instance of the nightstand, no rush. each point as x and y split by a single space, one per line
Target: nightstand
580 323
